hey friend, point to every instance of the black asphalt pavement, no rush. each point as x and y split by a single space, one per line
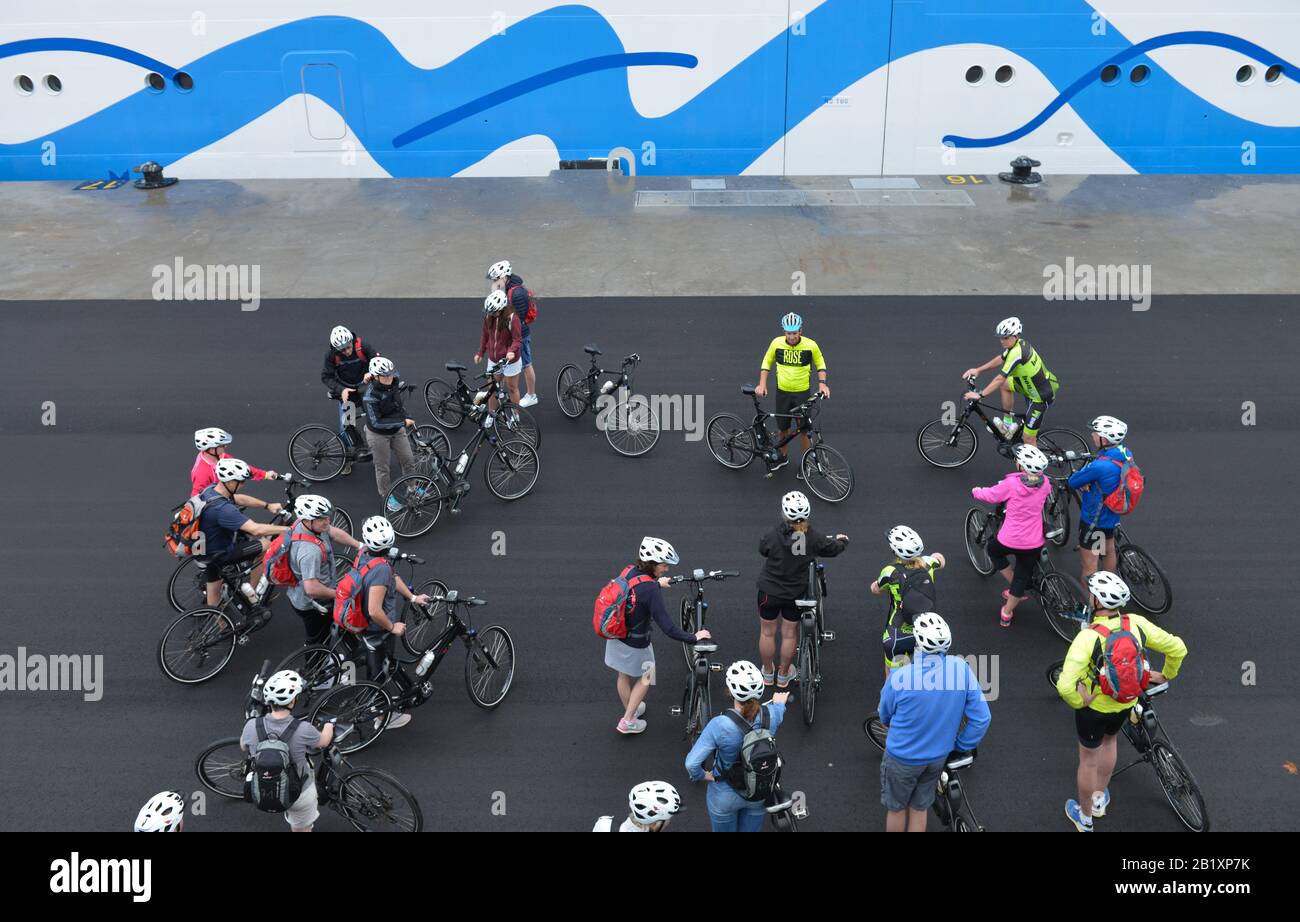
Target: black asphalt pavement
86 500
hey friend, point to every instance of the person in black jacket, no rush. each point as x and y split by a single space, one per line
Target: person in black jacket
788 549
345 371
386 425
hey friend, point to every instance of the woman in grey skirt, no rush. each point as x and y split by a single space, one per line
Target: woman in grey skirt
633 658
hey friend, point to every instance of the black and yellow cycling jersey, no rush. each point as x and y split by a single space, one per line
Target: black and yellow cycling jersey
911 591
1026 374
794 363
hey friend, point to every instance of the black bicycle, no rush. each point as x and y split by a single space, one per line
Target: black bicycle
187 589
630 423
694 609
1060 596
785 813
951 804
368 707
452 404
1155 748
812 634
415 502
697 702
735 444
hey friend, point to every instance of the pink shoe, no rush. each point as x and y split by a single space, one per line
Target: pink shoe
1006 593
1006 616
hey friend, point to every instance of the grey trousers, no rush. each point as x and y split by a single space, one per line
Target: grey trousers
383 447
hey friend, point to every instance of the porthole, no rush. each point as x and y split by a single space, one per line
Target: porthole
1004 74
155 82
1245 74
974 75
1139 74
1274 73
183 81
23 84
1109 74
53 84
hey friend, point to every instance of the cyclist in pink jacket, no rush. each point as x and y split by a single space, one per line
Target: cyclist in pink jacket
1025 492
211 444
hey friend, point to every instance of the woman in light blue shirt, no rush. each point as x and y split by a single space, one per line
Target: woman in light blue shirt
728 810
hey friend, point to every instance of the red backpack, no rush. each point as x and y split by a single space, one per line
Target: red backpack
1123 672
613 604
531 314
184 538
1125 497
349 607
278 568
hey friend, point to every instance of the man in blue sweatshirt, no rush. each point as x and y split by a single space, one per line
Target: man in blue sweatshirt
1095 482
922 704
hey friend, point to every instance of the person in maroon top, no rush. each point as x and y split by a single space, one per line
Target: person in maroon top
500 342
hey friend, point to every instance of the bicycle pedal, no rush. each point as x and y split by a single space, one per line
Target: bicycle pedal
828 636
715 667
243 639
800 812
675 711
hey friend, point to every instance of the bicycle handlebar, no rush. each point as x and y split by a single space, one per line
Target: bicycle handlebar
699 576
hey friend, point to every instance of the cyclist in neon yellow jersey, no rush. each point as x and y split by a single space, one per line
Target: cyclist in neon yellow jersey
1020 371
795 356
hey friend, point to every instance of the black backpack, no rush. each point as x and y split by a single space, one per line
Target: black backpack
273 783
916 591
758 766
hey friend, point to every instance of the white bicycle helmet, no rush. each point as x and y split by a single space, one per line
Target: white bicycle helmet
164 812
205 439
1010 327
1031 459
659 551
1111 429
744 681
381 366
341 337
311 506
905 542
931 632
1111 591
229 469
791 322
500 270
495 303
653 801
282 688
795 506
377 533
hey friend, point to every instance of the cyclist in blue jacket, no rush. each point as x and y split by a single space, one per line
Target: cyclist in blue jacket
1095 482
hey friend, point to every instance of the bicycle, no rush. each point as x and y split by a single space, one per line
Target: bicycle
452 404
368 706
1154 747
951 804
188 590
697 703
735 444
812 634
1062 599
694 609
510 473
632 429
784 812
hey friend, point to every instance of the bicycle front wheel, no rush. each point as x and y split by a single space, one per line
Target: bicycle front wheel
827 473
571 391
699 711
519 422
322 670
374 801
317 453
490 667
423 625
1054 672
876 732
945 444
808 679
632 429
687 613
197 646
1056 516
511 470
418 501
1146 581
187 589
731 442
361 710
443 403
977 541
1055 443
221 767
1064 604
430 441
340 519
1180 788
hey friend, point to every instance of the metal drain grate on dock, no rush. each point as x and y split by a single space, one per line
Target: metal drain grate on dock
797 198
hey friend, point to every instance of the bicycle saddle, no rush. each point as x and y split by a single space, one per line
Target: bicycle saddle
705 647
748 389
591 350
454 366
805 603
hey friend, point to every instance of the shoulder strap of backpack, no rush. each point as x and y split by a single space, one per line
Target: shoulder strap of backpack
309 536
739 721
286 735
762 717
261 730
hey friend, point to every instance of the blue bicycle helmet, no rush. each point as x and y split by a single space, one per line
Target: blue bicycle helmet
791 322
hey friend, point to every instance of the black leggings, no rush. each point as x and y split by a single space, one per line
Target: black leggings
1025 563
380 654
316 624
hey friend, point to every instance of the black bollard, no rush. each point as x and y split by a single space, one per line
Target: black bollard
1022 172
153 176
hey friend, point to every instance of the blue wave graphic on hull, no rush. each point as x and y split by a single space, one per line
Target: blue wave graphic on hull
563 73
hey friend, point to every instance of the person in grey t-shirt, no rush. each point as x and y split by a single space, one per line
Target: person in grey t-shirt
279 693
311 557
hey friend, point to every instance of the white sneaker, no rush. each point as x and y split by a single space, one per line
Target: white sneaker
398 720
528 400
640 709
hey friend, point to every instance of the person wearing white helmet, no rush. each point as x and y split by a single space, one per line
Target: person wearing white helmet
279 693
212 445
229 536
931 707
730 809
346 370
503 278
304 557
795 356
640 588
909 582
1106 659
787 550
387 423
1020 371
1025 492
1096 482
651 806
501 341
164 812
